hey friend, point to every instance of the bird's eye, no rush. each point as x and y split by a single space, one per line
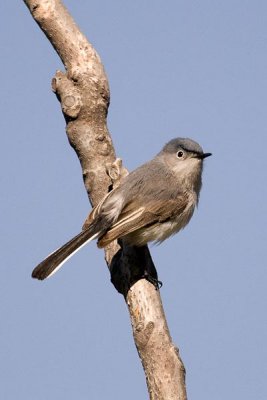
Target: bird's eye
180 154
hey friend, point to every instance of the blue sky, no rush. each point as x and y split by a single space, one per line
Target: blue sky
176 68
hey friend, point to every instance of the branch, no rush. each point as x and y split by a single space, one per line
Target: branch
83 92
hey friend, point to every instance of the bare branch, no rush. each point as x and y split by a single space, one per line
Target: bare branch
163 366
83 92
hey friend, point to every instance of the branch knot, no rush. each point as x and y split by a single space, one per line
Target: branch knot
68 94
143 334
116 172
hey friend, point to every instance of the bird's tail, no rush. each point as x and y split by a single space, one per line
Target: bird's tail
55 260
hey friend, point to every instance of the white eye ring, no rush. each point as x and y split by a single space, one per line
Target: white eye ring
180 154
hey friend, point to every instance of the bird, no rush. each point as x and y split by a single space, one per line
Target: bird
153 202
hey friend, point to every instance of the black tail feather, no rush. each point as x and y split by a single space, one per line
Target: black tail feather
56 259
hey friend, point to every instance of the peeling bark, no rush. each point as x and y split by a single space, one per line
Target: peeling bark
83 93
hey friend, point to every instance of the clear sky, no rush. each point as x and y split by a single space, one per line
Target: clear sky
177 68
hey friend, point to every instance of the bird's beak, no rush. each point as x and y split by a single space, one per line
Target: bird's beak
205 155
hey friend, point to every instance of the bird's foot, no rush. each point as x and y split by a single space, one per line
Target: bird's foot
155 282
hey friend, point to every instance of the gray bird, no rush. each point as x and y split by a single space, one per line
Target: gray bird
152 203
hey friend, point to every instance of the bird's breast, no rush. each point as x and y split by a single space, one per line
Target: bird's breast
159 231
173 225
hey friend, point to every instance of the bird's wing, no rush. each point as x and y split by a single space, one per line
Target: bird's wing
134 217
96 211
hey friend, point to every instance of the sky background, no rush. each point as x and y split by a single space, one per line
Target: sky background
177 68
